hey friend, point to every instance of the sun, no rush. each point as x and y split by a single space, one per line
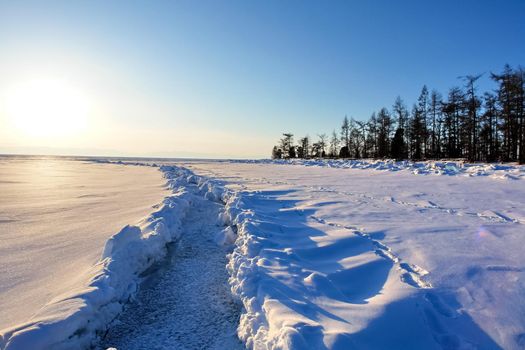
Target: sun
47 108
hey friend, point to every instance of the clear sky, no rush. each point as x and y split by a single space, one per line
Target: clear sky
225 78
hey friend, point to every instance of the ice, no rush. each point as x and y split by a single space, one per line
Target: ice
185 303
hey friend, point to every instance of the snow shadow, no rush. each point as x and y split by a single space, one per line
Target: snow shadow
302 249
319 286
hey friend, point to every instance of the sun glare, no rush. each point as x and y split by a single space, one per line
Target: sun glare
47 108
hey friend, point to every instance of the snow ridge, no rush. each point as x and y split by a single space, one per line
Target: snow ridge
450 168
74 319
185 301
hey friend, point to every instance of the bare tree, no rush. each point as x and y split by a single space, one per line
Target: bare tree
322 144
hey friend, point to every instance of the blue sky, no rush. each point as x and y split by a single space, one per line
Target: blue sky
224 79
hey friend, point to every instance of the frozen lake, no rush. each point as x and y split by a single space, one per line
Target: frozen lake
56 214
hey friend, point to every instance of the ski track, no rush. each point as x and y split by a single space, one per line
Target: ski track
186 303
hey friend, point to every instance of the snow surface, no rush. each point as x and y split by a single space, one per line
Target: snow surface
55 218
359 258
324 256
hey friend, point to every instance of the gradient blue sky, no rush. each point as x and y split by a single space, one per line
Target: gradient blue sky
224 79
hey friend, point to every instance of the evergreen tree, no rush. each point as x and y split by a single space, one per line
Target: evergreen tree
416 134
286 145
401 117
277 153
345 136
508 111
291 152
422 105
472 104
436 120
384 128
322 145
355 139
398 145
490 136
344 153
371 136
304 145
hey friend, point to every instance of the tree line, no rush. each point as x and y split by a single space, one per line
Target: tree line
464 124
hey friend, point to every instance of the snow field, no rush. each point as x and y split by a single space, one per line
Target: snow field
56 215
73 320
305 283
333 258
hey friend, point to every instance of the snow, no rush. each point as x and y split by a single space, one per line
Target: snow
446 167
322 255
340 258
186 303
56 215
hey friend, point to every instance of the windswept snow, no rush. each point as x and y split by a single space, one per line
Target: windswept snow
344 258
56 216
